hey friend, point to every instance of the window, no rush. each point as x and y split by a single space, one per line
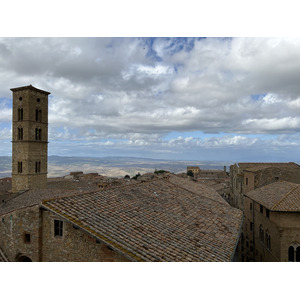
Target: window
20 98
267 213
246 181
276 178
27 238
250 206
20 167
251 226
38 115
38 99
294 253
38 134
20 134
37 167
291 253
268 240
58 228
20 114
261 233
261 209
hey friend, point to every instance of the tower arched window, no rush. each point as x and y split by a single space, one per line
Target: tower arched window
37 167
20 133
20 114
38 134
20 167
38 115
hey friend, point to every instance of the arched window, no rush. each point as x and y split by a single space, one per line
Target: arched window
298 254
20 114
291 253
261 233
20 167
268 240
37 167
20 133
38 134
294 253
38 115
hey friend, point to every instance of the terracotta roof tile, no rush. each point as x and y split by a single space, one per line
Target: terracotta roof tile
278 196
155 221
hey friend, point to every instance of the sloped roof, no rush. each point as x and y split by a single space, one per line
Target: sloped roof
30 198
260 166
29 87
278 196
155 221
197 188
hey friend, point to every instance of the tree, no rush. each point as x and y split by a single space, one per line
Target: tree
190 173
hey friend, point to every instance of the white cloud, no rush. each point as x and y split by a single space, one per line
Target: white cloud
105 87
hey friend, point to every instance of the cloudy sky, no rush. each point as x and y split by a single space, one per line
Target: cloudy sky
176 98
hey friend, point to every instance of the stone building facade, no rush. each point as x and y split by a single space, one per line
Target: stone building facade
272 223
194 169
263 225
29 138
245 177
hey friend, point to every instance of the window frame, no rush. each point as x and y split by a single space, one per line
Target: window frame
20 133
20 167
58 228
20 114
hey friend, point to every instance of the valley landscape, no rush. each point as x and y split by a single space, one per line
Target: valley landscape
113 166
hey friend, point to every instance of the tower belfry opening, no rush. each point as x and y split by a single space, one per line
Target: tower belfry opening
29 138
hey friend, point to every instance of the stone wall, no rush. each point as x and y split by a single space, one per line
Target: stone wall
283 228
19 234
74 245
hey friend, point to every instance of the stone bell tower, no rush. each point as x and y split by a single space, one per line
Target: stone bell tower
29 138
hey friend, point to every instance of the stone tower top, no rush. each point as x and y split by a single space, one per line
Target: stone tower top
29 87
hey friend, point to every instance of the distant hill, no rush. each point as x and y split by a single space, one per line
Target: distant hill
112 166
5 166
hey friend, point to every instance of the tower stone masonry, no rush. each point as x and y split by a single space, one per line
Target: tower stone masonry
29 138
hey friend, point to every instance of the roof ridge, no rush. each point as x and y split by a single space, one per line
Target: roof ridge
186 189
96 191
284 197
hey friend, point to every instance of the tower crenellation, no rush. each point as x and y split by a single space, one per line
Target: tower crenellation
29 138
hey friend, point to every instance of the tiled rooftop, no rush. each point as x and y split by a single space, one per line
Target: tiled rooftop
278 196
156 220
197 188
30 198
260 166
